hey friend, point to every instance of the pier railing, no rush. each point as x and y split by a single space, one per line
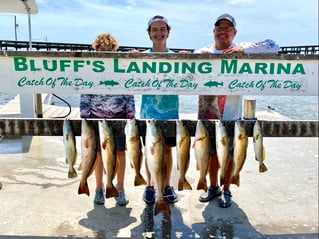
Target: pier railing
54 127
59 46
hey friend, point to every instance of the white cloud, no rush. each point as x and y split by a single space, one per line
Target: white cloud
288 22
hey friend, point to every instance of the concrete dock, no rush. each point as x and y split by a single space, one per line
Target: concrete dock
39 201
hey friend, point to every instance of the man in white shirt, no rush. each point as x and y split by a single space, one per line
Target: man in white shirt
230 106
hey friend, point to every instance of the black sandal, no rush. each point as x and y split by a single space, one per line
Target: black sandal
210 194
225 199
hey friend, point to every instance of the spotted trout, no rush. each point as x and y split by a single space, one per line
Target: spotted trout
70 147
134 150
155 161
259 149
108 151
88 154
240 150
183 142
201 147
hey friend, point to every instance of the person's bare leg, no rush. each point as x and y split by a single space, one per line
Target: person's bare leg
213 190
99 171
120 174
169 193
149 193
213 170
148 174
168 165
225 199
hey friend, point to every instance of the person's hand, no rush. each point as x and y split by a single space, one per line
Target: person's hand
184 52
235 49
134 51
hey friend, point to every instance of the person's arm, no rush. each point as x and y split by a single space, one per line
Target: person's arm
85 105
266 46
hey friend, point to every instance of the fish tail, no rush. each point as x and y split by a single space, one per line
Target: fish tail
235 180
202 184
84 188
72 173
262 168
162 207
184 184
139 180
180 185
111 191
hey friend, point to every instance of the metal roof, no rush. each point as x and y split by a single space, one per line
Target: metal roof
18 6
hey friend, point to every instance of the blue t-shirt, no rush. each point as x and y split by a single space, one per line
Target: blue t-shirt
162 107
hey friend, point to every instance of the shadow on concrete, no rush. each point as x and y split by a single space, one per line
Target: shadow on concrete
162 225
12 145
225 223
232 222
107 222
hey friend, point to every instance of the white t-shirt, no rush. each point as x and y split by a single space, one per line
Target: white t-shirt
233 105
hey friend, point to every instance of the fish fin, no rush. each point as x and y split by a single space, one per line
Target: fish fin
193 145
184 185
202 185
235 180
152 150
72 173
103 144
66 160
84 188
86 143
255 138
139 180
264 153
197 167
180 185
80 167
224 141
111 191
262 168
92 169
162 207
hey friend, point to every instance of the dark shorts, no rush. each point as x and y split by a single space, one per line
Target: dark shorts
119 141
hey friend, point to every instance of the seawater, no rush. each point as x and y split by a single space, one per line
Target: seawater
294 107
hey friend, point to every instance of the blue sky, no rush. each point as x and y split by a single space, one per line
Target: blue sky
288 22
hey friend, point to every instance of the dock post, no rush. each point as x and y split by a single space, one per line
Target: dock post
249 109
27 105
